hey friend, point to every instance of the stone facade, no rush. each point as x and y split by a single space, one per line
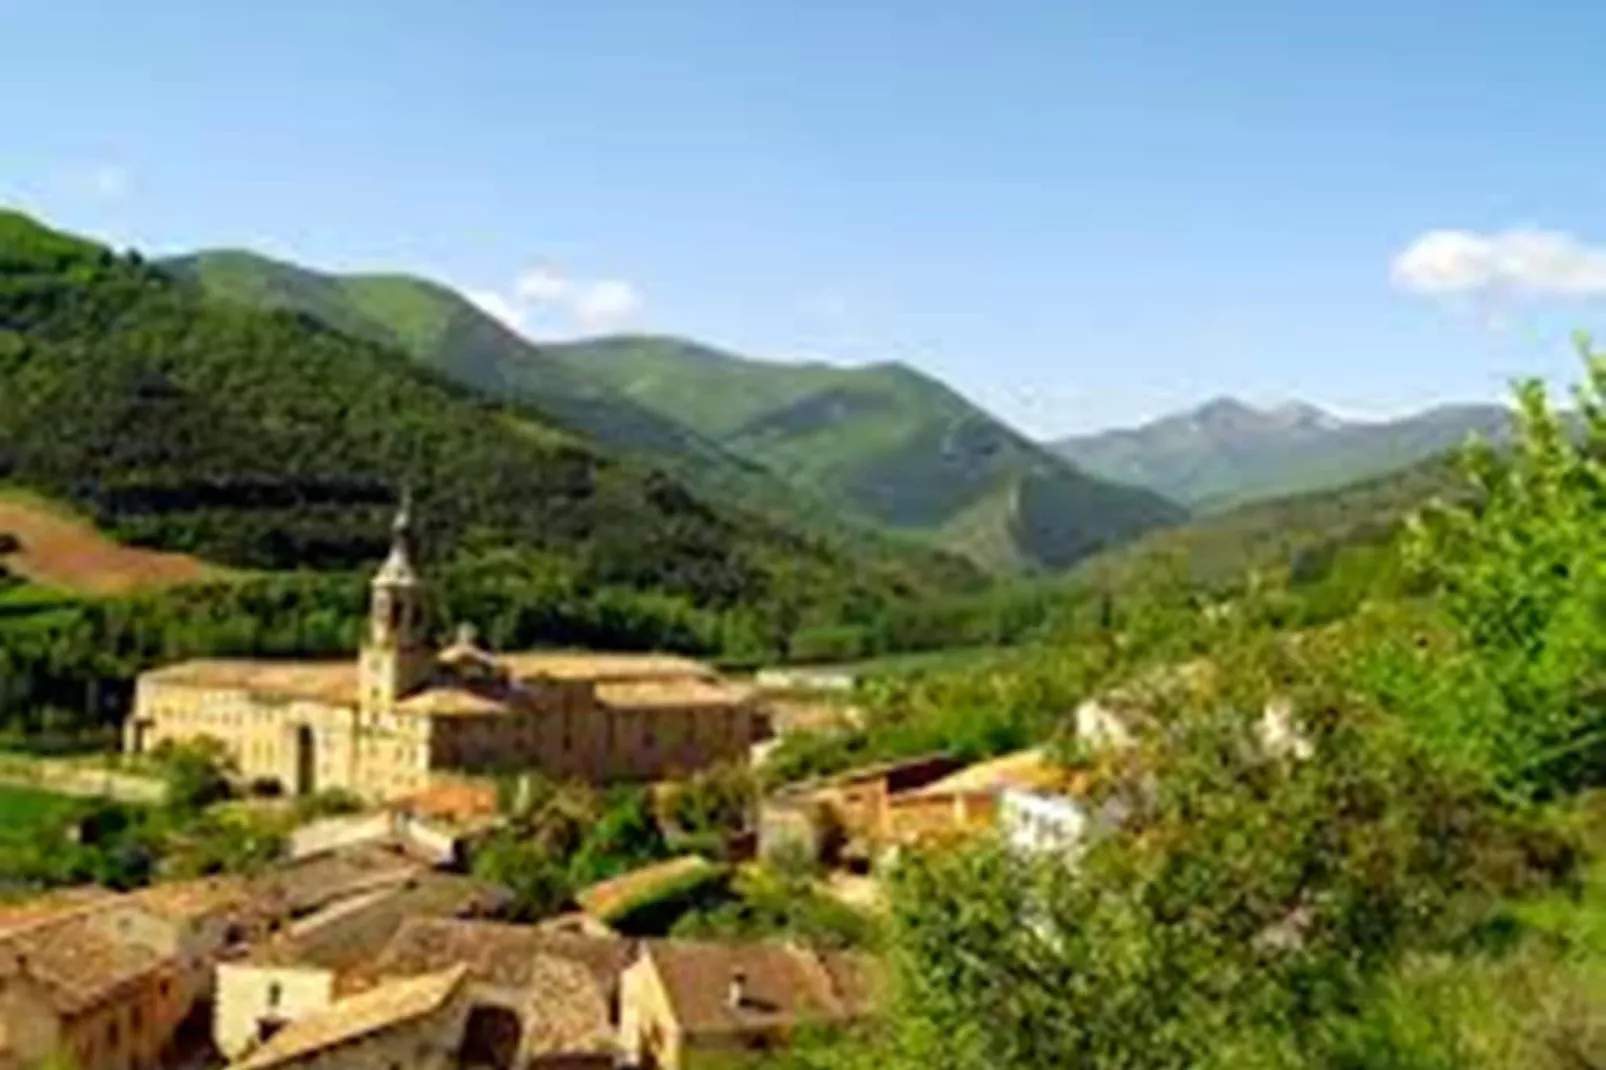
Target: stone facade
389 723
99 986
254 1001
416 1023
684 1002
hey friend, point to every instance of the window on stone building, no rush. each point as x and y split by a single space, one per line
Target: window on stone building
275 994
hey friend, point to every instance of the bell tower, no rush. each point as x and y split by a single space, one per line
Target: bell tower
394 658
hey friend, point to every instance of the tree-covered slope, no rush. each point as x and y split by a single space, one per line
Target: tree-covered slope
1292 532
450 334
1226 453
447 332
886 443
267 439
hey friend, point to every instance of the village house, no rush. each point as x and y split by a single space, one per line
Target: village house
301 969
681 1000
537 999
828 815
415 1023
388 723
101 984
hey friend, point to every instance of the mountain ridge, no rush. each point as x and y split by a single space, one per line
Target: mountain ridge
1226 452
887 441
881 448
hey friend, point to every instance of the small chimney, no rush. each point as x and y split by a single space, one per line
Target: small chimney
737 995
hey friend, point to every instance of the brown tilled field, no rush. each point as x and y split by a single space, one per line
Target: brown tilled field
62 551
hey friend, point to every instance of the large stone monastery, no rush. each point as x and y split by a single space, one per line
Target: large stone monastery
386 724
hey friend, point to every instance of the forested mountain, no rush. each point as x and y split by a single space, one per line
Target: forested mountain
1226 453
448 333
270 440
1295 533
838 450
883 442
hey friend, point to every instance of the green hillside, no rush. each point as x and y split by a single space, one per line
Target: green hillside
448 333
267 440
885 443
1280 533
1226 453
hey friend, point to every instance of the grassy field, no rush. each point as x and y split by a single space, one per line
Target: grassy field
24 809
972 657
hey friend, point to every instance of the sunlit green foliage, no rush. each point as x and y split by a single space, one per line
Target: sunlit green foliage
1409 895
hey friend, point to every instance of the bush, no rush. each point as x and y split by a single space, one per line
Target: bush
195 774
538 882
331 802
656 910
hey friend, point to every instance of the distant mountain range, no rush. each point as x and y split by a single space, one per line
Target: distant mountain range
881 446
1227 453
1273 534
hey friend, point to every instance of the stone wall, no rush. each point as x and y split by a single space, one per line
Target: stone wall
249 995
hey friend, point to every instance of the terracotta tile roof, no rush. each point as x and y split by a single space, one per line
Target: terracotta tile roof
320 879
334 682
192 900
569 1012
53 904
82 957
650 694
781 985
579 665
453 702
898 772
1029 770
497 953
349 934
604 898
564 983
451 799
358 1016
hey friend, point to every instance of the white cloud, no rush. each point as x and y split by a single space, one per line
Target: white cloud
109 182
606 305
1521 260
547 299
499 306
543 284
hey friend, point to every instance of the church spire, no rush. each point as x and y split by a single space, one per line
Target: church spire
398 571
394 659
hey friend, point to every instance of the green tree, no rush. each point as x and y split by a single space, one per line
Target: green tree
537 880
1519 570
625 837
196 774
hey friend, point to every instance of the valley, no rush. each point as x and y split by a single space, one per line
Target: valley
626 660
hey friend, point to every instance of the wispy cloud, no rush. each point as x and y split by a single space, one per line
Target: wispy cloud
543 284
1519 261
498 305
545 299
605 305
107 182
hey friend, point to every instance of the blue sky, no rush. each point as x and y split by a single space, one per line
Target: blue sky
1081 214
